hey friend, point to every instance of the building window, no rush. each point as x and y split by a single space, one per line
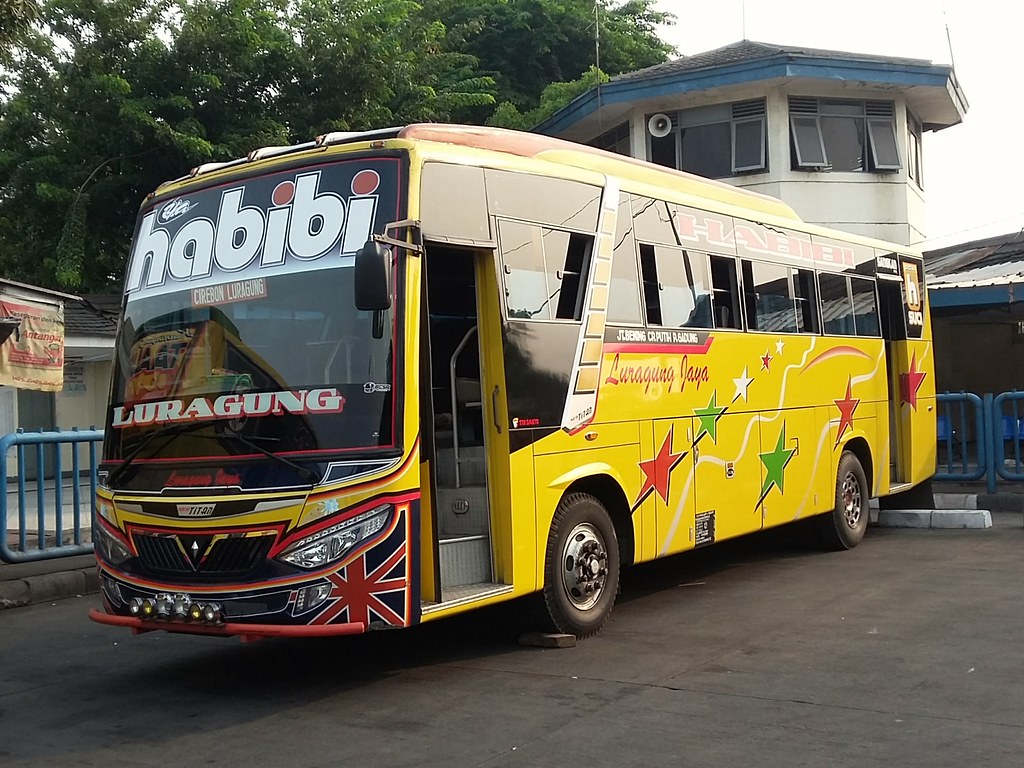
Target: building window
716 141
843 135
914 167
616 140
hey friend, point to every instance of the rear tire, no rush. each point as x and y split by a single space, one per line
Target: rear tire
581 571
845 526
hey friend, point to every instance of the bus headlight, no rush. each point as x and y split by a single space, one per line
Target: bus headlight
109 546
333 543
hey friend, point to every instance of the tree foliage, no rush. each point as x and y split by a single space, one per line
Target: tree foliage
16 18
105 99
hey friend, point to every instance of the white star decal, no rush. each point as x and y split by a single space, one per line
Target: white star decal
741 385
778 346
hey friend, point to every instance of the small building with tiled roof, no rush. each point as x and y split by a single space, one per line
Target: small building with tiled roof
976 291
837 135
90 325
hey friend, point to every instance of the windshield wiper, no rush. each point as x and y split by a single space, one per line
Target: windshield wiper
170 433
305 473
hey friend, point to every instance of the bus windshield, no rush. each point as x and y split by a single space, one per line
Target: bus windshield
253 336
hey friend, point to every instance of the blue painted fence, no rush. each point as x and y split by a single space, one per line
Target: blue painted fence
980 437
47 510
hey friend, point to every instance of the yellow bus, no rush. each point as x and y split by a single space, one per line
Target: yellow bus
386 377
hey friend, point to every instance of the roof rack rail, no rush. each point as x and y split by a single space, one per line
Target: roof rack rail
347 137
264 152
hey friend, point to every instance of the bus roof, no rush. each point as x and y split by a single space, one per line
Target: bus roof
702 191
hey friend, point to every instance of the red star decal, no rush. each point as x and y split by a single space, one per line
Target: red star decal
846 408
766 361
657 470
910 382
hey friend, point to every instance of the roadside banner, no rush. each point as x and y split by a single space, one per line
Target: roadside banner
32 357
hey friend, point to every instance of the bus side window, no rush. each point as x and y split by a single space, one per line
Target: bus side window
806 300
652 292
545 271
865 307
749 296
836 305
624 291
574 277
725 292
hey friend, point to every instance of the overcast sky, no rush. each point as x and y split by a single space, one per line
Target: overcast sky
972 171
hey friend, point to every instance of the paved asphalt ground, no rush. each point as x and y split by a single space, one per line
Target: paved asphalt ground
906 651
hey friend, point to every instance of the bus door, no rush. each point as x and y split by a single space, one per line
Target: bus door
463 441
907 362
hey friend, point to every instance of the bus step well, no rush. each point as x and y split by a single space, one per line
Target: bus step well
465 560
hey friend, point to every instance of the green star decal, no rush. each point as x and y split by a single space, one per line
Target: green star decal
709 419
775 464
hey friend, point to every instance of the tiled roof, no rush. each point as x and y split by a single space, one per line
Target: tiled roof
747 51
92 315
992 261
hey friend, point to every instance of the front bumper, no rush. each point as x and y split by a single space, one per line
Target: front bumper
373 588
247 632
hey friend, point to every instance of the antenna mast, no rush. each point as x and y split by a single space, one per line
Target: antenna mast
597 61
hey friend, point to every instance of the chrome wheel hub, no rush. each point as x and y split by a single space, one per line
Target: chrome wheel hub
851 499
584 566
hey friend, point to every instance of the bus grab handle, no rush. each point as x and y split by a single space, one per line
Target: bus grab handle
494 409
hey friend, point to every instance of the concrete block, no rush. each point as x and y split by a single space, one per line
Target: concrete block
956 501
934 518
548 640
961 518
904 518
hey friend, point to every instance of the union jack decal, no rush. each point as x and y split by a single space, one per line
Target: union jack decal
374 587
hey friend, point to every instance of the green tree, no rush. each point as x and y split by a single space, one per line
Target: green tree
77 147
529 44
374 63
554 97
104 99
120 95
16 18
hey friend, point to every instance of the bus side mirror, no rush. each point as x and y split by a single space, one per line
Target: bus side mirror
372 278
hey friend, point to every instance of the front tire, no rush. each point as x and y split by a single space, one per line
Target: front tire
581 571
845 526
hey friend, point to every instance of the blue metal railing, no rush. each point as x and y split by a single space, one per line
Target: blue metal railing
961 416
45 514
1007 436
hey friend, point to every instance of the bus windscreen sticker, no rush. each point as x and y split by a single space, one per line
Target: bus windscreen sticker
230 238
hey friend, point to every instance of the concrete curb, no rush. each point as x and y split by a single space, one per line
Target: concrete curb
934 518
46 581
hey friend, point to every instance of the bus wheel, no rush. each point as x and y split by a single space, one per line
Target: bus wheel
582 566
845 527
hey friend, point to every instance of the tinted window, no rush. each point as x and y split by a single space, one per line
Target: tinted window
544 271
836 305
865 307
624 292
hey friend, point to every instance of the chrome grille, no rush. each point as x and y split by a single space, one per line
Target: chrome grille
235 555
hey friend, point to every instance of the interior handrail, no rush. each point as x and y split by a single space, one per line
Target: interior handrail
455 401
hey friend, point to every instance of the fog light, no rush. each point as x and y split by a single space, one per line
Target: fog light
211 613
148 608
164 604
195 612
309 598
135 606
